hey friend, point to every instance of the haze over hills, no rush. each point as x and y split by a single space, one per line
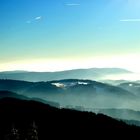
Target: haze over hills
69 86
111 97
5 94
92 73
86 93
120 113
13 95
130 116
132 87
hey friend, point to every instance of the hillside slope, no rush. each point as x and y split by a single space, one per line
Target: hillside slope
50 120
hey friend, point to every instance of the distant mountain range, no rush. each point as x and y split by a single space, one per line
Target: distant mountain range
75 92
92 73
68 86
116 101
80 89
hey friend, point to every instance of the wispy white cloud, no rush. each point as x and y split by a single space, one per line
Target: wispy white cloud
72 4
34 19
130 20
38 18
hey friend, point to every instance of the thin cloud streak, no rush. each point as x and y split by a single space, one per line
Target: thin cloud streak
38 18
34 19
130 20
72 4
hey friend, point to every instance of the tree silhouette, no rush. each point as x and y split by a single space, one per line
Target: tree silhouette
32 133
13 134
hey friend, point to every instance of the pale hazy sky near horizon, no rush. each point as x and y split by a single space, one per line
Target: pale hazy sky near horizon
51 35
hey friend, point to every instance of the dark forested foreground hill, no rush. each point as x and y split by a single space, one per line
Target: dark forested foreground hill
26 118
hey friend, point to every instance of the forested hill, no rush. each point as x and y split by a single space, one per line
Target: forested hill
20 114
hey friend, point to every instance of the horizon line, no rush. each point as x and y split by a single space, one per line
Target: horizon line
18 70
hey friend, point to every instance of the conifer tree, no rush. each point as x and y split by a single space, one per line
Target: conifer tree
32 133
13 134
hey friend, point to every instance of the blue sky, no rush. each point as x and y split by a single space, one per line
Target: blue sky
49 35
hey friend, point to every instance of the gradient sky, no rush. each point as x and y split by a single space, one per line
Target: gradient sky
50 35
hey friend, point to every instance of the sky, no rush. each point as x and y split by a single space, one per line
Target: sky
52 35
